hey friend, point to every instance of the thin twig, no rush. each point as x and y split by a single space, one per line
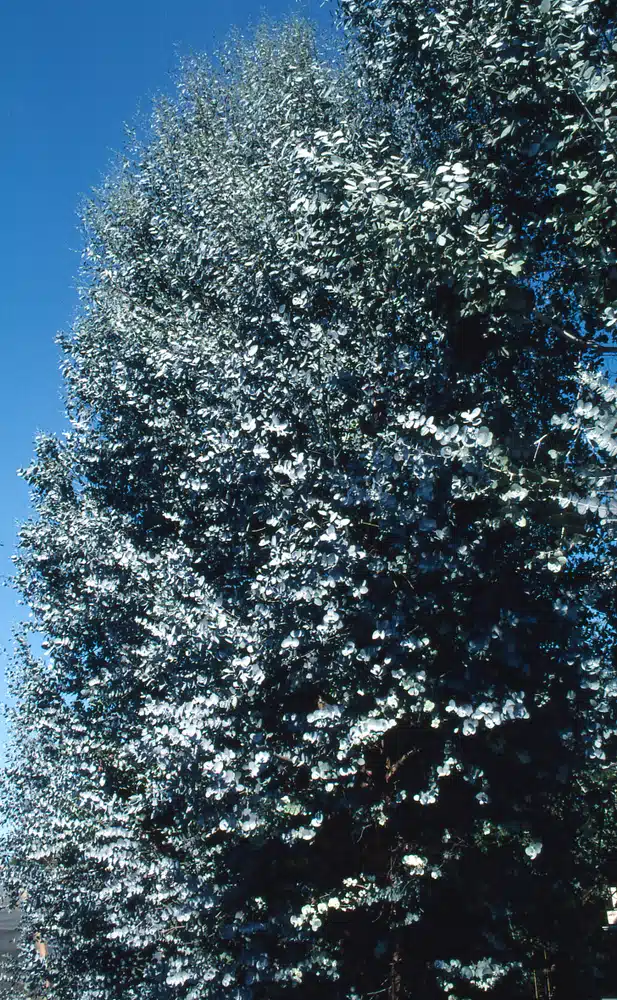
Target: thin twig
393 768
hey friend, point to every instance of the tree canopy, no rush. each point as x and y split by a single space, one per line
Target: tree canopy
325 565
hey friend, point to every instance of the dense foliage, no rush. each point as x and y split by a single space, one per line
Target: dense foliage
325 566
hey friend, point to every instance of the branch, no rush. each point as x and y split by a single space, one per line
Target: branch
590 116
589 345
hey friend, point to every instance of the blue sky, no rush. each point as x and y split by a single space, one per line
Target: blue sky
71 74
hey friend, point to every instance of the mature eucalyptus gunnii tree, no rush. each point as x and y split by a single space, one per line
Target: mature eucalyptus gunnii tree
325 564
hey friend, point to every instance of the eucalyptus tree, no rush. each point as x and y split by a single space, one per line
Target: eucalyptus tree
327 700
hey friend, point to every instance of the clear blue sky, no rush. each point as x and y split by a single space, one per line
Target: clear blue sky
71 74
